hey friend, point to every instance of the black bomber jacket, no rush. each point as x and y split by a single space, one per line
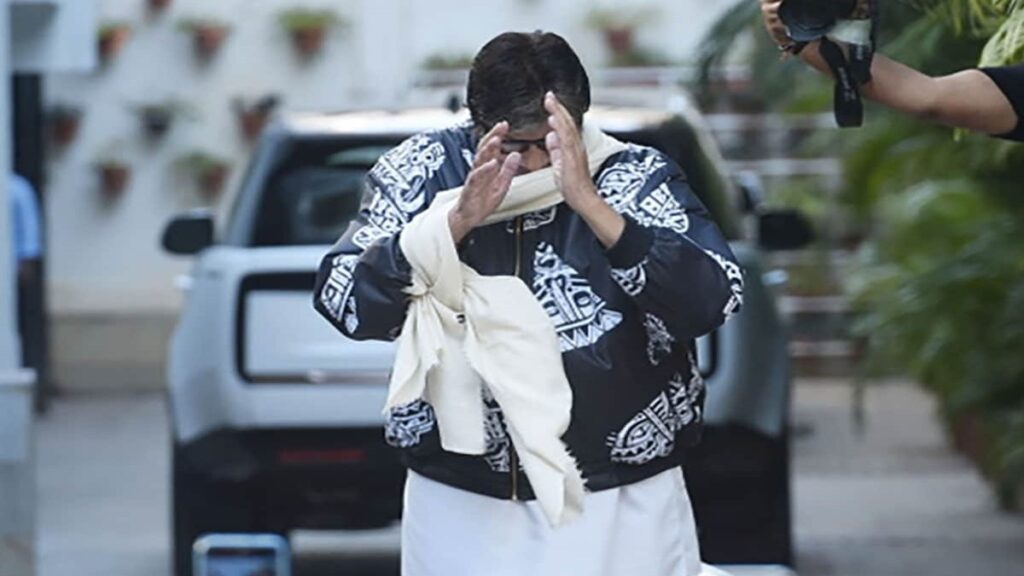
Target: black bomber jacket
626 317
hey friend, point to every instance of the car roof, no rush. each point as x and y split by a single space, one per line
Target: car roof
403 122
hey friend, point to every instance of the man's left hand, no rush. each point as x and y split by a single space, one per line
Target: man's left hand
568 156
572 174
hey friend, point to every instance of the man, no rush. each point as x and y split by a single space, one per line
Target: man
28 247
626 268
989 100
28 252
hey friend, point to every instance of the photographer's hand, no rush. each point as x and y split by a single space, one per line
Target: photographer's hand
772 23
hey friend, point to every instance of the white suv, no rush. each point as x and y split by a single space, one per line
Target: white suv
277 418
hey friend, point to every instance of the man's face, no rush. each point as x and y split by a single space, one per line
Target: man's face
529 142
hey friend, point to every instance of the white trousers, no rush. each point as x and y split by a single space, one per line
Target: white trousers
643 529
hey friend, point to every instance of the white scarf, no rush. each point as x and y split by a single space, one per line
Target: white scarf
463 330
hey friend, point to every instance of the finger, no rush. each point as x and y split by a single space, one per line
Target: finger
552 141
563 123
509 169
482 175
489 151
558 111
554 144
498 130
563 113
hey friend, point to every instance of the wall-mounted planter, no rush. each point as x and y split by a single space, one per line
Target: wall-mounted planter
156 6
114 176
111 39
618 27
63 122
619 39
209 172
448 61
307 28
253 116
156 118
207 36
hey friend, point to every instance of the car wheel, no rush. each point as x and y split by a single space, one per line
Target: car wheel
738 480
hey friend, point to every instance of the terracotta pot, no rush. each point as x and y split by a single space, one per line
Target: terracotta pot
619 40
308 41
207 40
158 5
64 128
971 437
114 178
251 123
111 43
212 180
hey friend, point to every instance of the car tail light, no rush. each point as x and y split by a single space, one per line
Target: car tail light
332 456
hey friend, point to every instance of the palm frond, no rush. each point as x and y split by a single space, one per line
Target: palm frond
736 22
1007 45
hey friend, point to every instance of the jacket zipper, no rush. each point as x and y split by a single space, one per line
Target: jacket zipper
514 462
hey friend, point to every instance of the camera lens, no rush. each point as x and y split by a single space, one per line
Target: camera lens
808 20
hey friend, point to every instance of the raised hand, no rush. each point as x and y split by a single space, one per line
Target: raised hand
487 185
572 174
568 156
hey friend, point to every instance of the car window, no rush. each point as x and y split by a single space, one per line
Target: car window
314 191
316 184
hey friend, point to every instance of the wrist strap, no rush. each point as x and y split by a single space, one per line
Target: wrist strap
849 109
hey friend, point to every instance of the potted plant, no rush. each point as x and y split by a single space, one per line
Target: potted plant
207 35
252 115
444 69
638 57
157 117
111 39
158 5
114 173
307 27
64 120
618 26
447 61
209 171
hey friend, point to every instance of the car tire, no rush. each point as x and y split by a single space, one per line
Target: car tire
200 506
739 483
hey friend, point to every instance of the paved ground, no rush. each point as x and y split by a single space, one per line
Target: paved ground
891 501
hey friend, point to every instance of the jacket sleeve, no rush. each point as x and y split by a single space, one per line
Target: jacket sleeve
361 281
671 258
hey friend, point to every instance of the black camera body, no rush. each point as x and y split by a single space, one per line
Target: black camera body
810 20
851 22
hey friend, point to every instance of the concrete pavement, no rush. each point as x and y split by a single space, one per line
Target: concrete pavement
891 501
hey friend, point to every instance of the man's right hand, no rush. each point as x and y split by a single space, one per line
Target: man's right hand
486 186
772 23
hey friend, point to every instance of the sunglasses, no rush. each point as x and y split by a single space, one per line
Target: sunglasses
509 146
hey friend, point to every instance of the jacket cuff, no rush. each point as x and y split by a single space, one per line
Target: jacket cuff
632 247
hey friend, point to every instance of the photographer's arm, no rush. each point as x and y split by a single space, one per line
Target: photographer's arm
967 99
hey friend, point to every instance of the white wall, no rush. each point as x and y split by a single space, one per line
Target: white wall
8 350
53 35
8 344
105 258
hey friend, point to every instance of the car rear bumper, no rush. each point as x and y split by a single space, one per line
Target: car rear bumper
306 478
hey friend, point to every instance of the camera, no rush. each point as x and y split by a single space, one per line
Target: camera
809 20
850 22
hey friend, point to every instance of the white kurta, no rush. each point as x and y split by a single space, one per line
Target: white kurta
642 529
